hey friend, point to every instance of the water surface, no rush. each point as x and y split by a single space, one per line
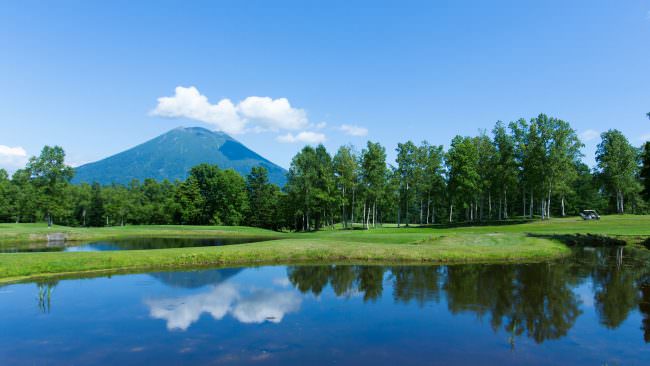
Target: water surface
591 309
127 244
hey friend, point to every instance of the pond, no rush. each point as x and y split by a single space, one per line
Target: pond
591 309
127 244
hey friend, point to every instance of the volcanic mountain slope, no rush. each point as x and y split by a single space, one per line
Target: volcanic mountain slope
173 154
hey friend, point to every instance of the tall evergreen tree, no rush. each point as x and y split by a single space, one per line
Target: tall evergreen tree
262 198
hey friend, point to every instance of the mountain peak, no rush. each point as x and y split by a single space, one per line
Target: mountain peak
199 131
171 156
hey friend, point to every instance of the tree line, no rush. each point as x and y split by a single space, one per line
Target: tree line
521 170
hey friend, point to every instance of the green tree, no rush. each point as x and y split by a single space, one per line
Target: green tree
96 214
644 174
117 203
207 178
505 167
81 202
190 202
301 187
463 176
232 200
325 187
617 162
564 154
430 180
407 160
6 194
346 166
25 197
262 198
50 176
373 175
487 156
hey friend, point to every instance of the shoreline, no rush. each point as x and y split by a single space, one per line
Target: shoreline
506 243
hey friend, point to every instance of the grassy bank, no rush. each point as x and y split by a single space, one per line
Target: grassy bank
30 233
521 242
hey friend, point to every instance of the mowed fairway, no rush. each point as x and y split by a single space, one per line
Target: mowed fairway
532 241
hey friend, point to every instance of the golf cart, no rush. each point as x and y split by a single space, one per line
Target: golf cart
589 215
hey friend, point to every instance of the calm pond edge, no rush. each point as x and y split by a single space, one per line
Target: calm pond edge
18 267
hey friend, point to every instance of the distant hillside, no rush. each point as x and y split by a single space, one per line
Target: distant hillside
171 155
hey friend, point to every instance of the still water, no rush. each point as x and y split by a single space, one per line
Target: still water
591 309
127 244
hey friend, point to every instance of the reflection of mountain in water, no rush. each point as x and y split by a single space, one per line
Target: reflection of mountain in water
195 279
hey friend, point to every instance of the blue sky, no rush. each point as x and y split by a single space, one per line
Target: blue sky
88 75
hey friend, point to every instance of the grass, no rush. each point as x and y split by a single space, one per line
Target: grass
533 241
25 233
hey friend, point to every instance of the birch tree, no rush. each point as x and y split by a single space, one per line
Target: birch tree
345 171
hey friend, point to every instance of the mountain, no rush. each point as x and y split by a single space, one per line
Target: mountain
171 155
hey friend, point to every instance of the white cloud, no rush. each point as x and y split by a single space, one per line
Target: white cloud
266 305
320 125
254 306
273 114
282 282
353 130
12 158
307 137
251 114
645 137
589 135
182 312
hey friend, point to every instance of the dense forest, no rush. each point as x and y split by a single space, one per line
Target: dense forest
521 170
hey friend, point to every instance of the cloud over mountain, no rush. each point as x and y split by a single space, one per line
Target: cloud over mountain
253 113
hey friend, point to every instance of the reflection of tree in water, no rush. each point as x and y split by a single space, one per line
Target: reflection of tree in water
310 278
343 279
545 304
537 299
533 298
616 295
617 275
371 282
45 290
416 283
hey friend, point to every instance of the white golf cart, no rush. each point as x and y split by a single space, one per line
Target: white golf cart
589 215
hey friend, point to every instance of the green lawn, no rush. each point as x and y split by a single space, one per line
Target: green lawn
518 242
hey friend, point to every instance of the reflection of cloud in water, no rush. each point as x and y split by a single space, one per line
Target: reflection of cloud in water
264 305
255 306
282 282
